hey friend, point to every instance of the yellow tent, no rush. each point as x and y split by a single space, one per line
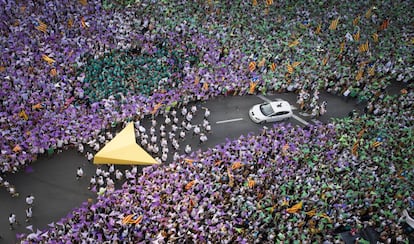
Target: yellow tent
123 149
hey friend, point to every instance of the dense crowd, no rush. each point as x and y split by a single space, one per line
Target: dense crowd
70 77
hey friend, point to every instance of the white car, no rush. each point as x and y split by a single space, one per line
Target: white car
270 111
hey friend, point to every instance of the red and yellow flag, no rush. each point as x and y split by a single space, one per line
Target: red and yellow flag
273 67
83 23
48 59
293 43
17 148
363 47
368 14
355 149
341 47
251 183
197 80
83 2
23 115
70 23
371 70
37 106
132 219
356 20
156 107
356 36
318 29
254 2
295 208
252 66
359 74
252 87
375 37
289 68
325 60
236 165
205 86
311 213
376 144
334 24
384 25
42 27
261 63
189 185
269 2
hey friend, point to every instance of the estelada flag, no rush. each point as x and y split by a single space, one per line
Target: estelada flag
42 27
293 43
311 213
368 14
189 185
252 66
132 219
83 23
269 2
205 86
48 59
37 106
341 47
197 80
325 60
17 148
236 165
251 183
83 2
371 70
334 24
261 63
359 74
254 2
363 47
376 144
289 68
70 23
53 72
295 208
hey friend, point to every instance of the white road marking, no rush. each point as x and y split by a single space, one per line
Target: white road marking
228 121
299 119
264 98
304 114
316 121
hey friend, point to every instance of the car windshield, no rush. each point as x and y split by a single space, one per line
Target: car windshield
266 109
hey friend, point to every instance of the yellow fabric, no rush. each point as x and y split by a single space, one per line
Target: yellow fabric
123 149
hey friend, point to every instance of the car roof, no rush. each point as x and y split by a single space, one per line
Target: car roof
280 106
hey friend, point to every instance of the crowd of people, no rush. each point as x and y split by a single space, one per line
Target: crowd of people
72 77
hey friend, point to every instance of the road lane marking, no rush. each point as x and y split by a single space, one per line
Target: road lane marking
299 119
304 114
316 121
264 98
228 120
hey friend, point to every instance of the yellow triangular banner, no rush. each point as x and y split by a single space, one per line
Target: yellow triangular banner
123 149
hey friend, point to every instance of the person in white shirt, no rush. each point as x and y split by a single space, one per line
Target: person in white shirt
193 109
189 117
184 111
196 130
182 135
153 139
92 182
188 126
29 200
29 214
162 127
118 174
174 127
79 173
203 138
111 169
167 120
12 221
187 149
206 113
153 122
152 130
175 120
164 157
176 156
89 156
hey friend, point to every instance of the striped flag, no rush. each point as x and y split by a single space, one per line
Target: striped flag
355 149
37 106
368 14
83 23
189 185
318 29
356 36
356 20
132 219
273 67
295 64
197 80
2 68
371 70
70 23
334 24
231 177
17 148
361 133
254 2
293 43
295 208
236 165
384 25
156 107
359 74
269 2
376 144
23 115
289 68
252 66
363 47
325 60
42 27
251 183
205 86
48 59
252 87
341 47
375 37
53 72
261 63
83 2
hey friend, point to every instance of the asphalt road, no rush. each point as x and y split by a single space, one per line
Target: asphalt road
52 179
